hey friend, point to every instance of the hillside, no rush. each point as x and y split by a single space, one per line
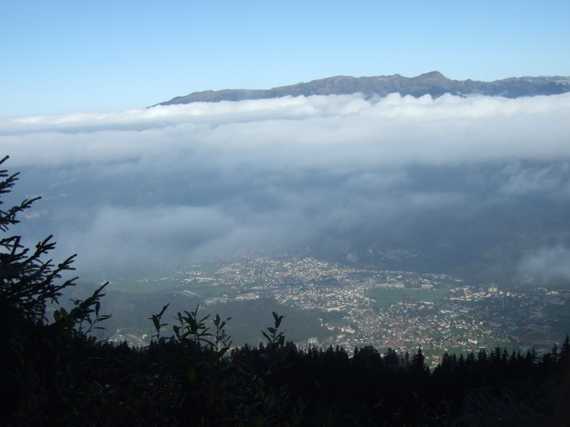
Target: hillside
433 83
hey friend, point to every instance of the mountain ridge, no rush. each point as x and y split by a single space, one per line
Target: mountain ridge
432 83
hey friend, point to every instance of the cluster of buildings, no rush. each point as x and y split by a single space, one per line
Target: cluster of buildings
436 312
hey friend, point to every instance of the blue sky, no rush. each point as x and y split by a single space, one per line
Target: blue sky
65 56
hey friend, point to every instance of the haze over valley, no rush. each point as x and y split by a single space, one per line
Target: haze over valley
472 187
475 186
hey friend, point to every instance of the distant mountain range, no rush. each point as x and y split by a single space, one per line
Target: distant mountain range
433 83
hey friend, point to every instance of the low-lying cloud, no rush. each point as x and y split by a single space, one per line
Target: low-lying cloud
448 181
295 129
547 265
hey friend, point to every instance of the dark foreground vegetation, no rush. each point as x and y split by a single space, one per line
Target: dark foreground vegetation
54 372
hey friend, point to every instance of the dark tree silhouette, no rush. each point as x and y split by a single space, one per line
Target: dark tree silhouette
30 280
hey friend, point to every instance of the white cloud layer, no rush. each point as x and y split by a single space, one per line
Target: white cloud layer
330 174
315 131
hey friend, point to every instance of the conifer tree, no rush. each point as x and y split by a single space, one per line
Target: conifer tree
29 280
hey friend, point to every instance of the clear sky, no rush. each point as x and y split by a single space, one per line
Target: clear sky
105 55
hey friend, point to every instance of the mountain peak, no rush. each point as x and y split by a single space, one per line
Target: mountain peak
431 75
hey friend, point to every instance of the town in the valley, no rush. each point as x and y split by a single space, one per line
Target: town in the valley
358 306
